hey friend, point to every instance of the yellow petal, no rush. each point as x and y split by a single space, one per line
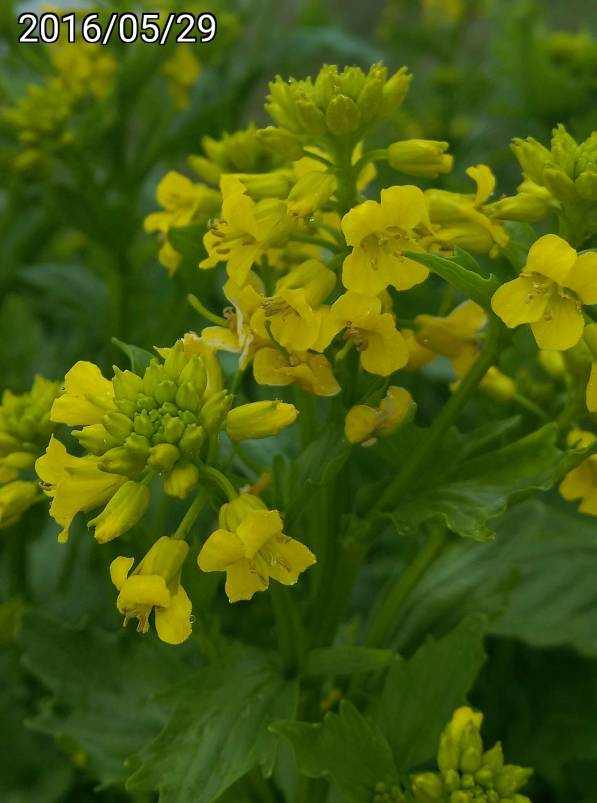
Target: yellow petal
582 278
220 338
290 558
173 624
143 590
257 528
360 272
552 257
242 581
361 423
362 221
516 302
119 570
485 181
403 206
564 327
221 550
386 349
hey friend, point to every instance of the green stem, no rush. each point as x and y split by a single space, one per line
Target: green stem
445 419
207 314
384 618
529 405
289 628
317 156
190 517
220 480
376 155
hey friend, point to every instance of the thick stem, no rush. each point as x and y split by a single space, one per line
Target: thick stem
220 480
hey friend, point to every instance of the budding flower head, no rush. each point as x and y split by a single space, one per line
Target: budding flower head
251 548
155 585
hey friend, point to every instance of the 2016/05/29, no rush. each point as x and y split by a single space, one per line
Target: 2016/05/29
127 27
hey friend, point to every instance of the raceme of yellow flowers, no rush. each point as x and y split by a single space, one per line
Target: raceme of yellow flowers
314 259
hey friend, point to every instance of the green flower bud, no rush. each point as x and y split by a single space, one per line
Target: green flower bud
138 445
181 480
280 141
194 373
511 778
165 391
175 361
146 403
532 157
461 797
95 438
471 748
525 207
427 788
118 425
127 407
274 184
173 430
15 498
559 184
564 150
494 759
214 410
187 397
191 442
451 779
169 408
121 461
188 417
8 443
153 375
586 185
127 385
143 424
205 169
342 116
370 98
420 157
484 777
163 456
395 90
310 117
122 512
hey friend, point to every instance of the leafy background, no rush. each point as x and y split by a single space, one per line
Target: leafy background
511 623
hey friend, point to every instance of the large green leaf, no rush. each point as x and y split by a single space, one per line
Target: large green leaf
420 694
218 728
102 685
465 489
345 748
536 580
347 660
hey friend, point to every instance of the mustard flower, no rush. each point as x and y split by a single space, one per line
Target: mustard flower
252 549
550 292
364 424
311 372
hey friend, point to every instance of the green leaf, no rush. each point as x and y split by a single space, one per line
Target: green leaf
466 494
347 660
346 748
536 581
139 358
218 728
420 694
188 241
102 685
470 283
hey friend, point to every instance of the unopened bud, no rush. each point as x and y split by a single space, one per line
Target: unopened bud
121 461
524 207
181 480
395 90
117 424
127 385
586 185
208 171
165 391
420 157
259 419
138 445
214 410
311 192
187 397
143 424
310 117
152 376
559 184
427 788
511 779
173 430
195 373
95 438
163 456
498 386
191 442
342 115
175 361
274 184
122 512
552 363
370 98
280 141
532 157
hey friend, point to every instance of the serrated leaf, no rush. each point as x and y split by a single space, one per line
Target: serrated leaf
218 728
420 694
102 685
346 748
139 358
347 660
467 494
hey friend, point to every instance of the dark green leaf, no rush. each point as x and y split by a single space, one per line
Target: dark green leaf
347 660
420 694
218 729
188 241
346 748
139 358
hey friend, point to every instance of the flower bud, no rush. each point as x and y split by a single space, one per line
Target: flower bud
552 363
214 410
122 512
471 749
461 797
143 424
118 425
586 185
175 361
138 445
395 90
232 513
524 207
532 157
259 419
187 397
205 169
342 116
163 456
95 438
165 391
127 385
313 277
498 386
311 192
559 184
121 461
181 480
274 184
420 157
428 788
310 117
370 97
173 430
191 442
280 141
154 374
194 373
511 778
15 498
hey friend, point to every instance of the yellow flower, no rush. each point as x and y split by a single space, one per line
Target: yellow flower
87 396
182 70
456 336
251 548
155 583
15 498
379 233
311 372
549 293
182 200
259 419
291 320
381 346
462 219
581 482
84 68
246 230
76 484
364 423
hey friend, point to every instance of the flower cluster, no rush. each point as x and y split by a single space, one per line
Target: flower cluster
468 773
25 429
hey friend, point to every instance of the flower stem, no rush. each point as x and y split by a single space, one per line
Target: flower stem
220 480
207 314
190 517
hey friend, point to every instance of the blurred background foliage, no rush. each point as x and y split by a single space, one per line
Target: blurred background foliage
77 269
